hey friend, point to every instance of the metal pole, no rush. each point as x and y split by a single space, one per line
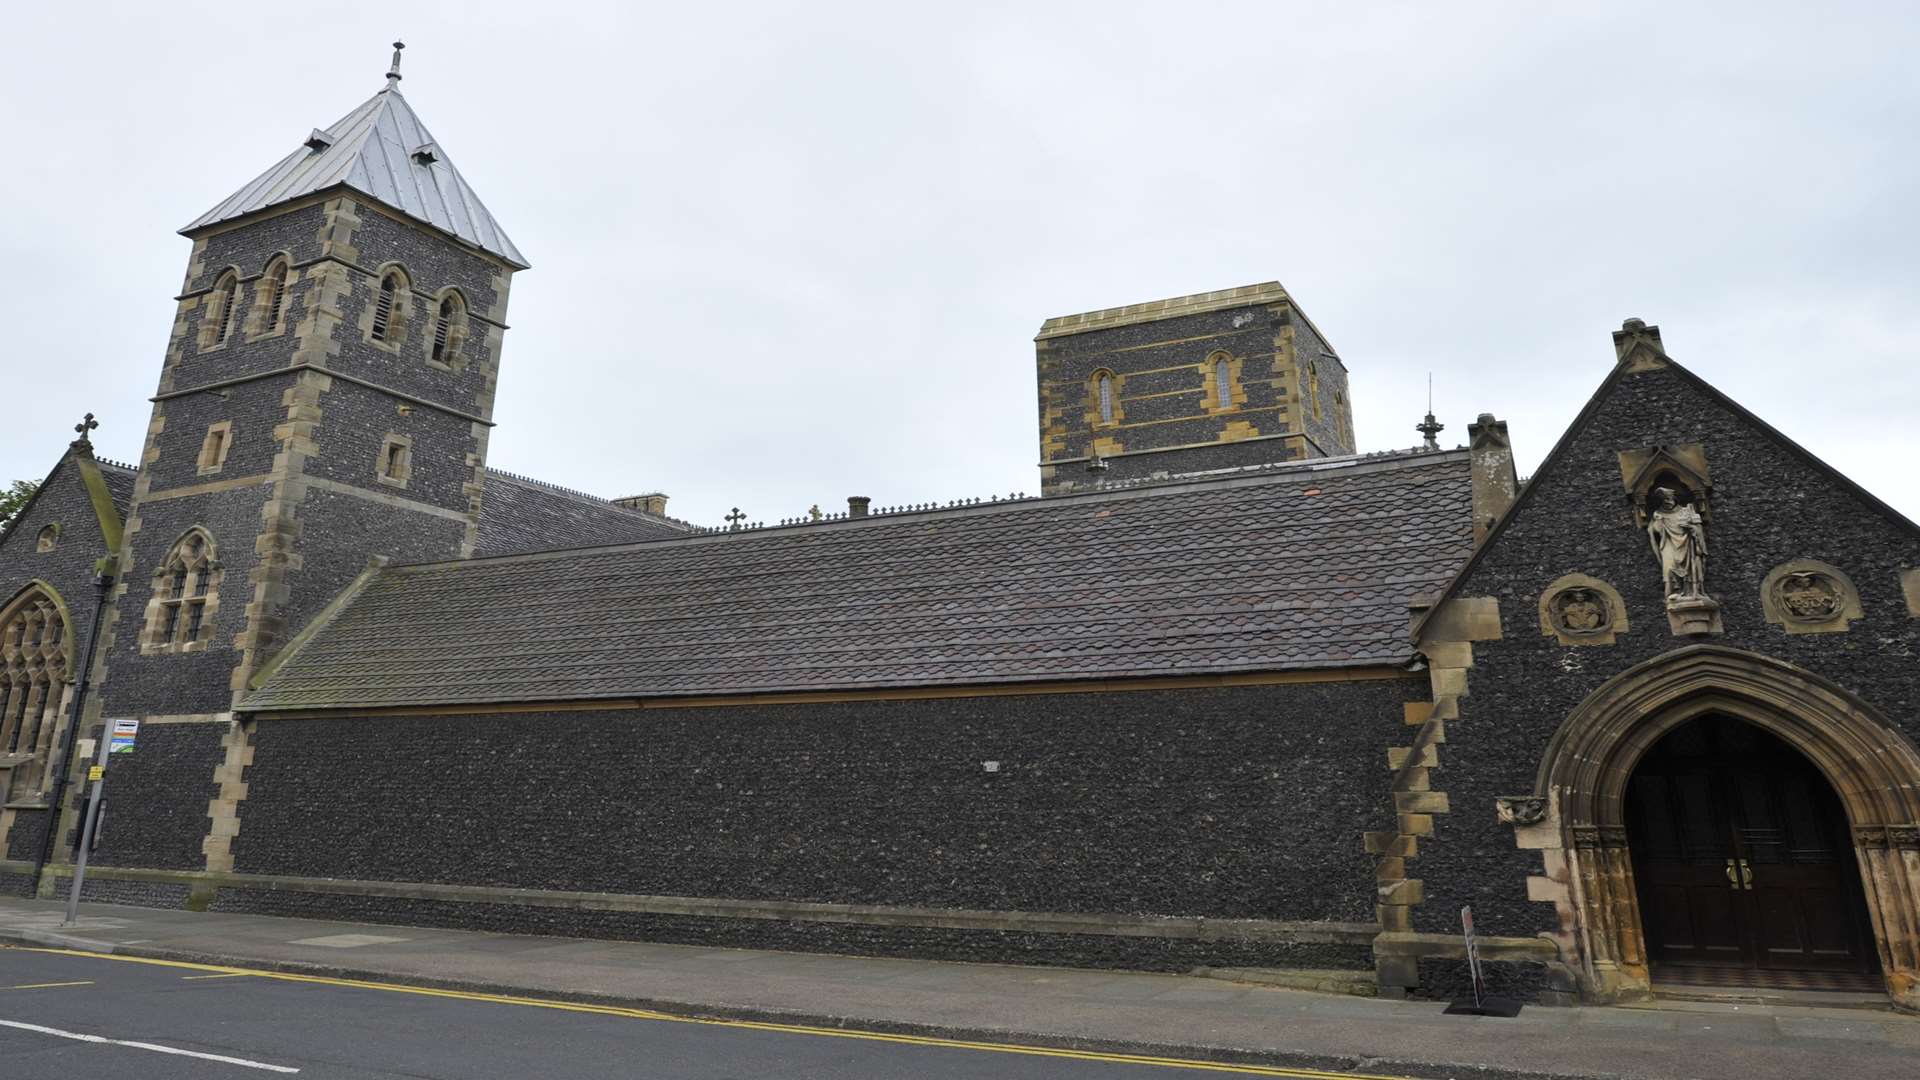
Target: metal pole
103 583
86 831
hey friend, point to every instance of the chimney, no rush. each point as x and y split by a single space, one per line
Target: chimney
1495 484
652 502
857 505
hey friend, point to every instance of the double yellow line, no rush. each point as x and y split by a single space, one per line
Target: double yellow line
752 1025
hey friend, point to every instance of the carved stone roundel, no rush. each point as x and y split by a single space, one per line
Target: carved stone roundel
1581 612
1809 596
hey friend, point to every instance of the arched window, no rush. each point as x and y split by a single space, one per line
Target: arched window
49 538
449 327
1103 395
1223 382
35 658
186 592
385 325
274 288
226 297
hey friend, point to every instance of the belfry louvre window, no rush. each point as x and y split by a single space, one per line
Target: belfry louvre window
447 326
383 307
186 591
226 297
276 295
35 660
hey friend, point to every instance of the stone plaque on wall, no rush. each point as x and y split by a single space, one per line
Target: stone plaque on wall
1807 596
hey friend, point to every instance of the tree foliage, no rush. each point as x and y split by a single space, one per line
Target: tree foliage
14 499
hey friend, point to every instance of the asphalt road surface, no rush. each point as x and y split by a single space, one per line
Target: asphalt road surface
65 1016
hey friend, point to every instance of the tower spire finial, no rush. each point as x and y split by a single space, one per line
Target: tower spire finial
1430 427
393 73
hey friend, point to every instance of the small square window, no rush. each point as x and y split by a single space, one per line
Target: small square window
213 449
395 466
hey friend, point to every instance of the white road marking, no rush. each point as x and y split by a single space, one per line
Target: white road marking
347 941
156 1047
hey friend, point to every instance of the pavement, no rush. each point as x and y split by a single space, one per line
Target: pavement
1190 1018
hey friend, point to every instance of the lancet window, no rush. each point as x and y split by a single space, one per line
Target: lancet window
274 296
389 311
1103 395
220 318
449 327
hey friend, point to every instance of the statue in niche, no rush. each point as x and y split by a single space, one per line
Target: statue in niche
1680 543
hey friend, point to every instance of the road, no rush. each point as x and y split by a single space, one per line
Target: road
66 1015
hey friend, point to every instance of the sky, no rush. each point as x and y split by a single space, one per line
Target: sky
784 254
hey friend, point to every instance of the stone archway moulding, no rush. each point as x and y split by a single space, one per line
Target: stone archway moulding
1873 766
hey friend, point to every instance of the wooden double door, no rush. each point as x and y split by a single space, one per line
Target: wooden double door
1743 857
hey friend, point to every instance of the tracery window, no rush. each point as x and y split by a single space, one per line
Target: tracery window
186 592
449 329
36 654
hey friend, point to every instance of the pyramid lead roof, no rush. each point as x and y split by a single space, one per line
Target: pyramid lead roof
382 150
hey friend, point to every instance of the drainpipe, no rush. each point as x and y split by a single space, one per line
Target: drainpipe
103 585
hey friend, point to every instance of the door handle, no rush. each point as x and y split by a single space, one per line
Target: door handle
1740 874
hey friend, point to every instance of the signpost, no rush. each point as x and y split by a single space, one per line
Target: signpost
121 741
1482 1003
120 736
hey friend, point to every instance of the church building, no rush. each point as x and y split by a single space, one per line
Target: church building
1228 693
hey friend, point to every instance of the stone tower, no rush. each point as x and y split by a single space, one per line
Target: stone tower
325 399
1212 381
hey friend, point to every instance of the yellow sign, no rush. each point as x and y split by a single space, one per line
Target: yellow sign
96 772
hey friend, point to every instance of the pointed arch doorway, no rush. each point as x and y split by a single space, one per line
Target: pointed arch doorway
1869 766
1743 864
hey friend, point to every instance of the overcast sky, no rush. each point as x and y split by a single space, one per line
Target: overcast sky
785 254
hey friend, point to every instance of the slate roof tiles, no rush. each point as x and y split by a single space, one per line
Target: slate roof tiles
1285 569
518 515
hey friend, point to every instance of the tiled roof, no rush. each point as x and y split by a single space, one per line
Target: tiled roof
518 515
377 150
119 480
1290 568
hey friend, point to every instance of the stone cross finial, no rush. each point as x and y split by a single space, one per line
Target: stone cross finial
84 427
393 73
814 512
734 519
